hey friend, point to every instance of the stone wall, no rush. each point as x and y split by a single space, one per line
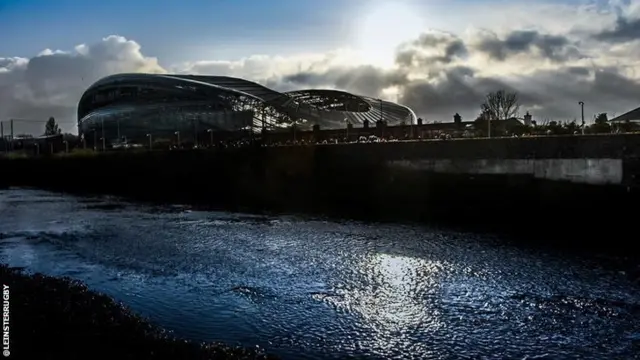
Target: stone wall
361 180
568 147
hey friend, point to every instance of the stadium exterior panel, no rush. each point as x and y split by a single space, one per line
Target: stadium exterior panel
139 106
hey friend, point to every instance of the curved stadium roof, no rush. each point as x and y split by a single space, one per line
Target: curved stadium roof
328 108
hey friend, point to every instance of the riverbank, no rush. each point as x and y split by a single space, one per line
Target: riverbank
359 181
53 318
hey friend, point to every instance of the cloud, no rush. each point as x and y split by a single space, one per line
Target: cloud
531 42
552 66
430 49
624 30
51 83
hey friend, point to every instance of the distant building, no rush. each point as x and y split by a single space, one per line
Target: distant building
42 145
633 115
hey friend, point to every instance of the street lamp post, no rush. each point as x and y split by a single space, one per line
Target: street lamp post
195 132
210 131
293 126
150 141
581 103
104 140
382 131
346 121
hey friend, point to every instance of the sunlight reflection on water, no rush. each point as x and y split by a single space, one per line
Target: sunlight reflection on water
316 289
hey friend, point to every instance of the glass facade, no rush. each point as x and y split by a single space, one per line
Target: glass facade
136 107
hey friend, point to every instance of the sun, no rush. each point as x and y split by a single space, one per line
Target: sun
383 28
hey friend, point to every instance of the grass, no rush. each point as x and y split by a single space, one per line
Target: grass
16 155
78 153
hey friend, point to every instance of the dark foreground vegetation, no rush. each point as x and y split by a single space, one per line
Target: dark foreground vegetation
61 319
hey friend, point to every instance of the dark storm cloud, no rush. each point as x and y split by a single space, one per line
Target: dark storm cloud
578 70
557 92
365 80
309 78
552 47
549 94
457 90
624 30
431 49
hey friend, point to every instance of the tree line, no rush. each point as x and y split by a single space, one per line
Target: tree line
504 105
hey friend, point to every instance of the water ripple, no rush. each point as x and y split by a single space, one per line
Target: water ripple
317 289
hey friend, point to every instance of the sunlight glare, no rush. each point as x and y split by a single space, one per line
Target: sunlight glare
385 27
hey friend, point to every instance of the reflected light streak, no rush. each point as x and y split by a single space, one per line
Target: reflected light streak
400 296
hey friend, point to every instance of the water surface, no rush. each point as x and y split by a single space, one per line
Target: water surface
316 289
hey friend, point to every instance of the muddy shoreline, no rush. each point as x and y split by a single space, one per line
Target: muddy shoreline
60 318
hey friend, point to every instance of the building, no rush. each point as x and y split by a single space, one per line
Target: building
192 109
633 115
41 145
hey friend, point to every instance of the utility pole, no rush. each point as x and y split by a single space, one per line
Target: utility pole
581 103
104 140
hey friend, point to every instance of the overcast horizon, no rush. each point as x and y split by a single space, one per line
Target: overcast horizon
439 57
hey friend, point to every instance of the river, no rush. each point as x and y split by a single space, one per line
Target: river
308 288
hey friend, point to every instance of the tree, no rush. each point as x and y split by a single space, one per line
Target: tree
571 127
51 128
601 124
601 119
500 105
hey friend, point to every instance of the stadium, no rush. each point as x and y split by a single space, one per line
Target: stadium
136 107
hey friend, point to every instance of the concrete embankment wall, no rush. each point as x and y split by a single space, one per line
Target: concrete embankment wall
498 184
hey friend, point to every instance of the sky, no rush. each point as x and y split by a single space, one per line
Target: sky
440 57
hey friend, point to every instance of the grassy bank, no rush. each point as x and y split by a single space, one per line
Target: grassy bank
55 318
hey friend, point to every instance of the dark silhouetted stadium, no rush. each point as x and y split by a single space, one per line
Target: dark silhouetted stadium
137 106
